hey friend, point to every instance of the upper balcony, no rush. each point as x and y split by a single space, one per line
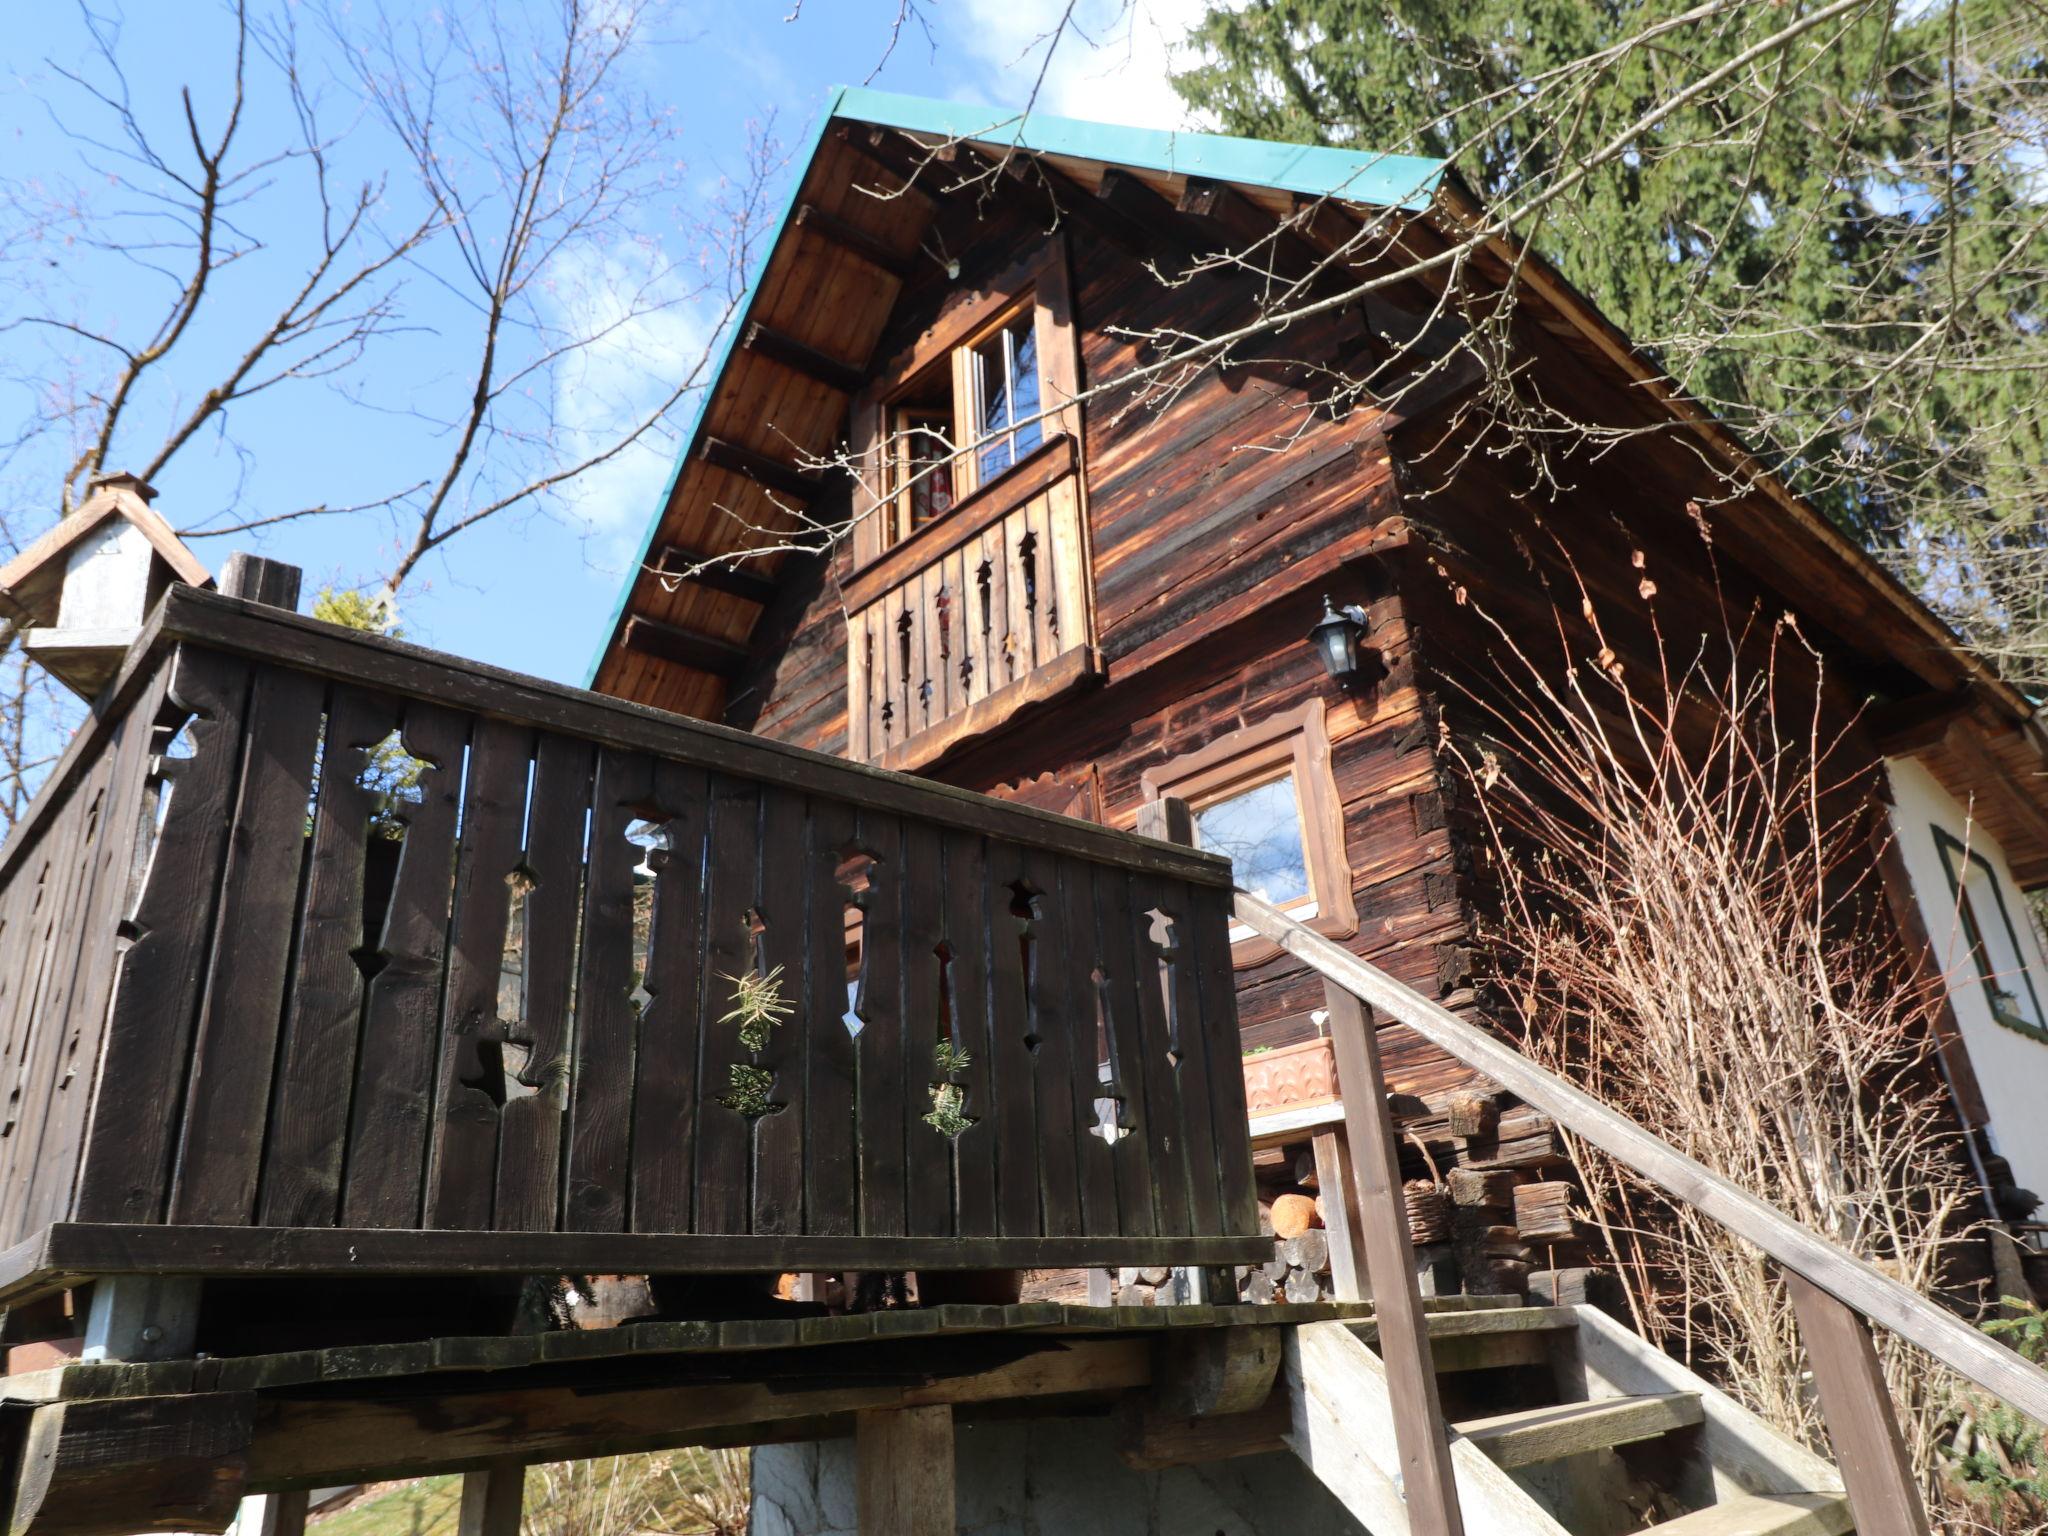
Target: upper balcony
323 953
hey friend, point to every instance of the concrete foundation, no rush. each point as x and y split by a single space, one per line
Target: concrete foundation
1057 1477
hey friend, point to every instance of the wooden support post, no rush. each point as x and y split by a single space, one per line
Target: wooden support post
1884 1496
284 1514
493 1500
138 1318
1339 1191
257 580
1381 1219
903 1472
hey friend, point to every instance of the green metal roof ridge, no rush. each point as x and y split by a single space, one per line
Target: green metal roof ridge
1314 170
1386 181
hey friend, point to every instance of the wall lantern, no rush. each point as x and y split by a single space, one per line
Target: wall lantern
1339 639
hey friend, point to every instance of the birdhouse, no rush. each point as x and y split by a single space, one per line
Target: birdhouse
81 592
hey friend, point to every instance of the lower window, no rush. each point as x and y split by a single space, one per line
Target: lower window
1993 935
1265 797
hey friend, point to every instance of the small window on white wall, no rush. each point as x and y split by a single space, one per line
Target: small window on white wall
1990 924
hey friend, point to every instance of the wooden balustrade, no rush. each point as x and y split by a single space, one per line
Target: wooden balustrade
425 967
972 617
1835 1295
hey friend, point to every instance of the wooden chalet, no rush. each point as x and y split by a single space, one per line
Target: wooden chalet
979 766
1115 604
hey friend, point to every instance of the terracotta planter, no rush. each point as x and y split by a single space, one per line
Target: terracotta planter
1292 1077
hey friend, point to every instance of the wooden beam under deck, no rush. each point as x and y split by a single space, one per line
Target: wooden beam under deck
685 647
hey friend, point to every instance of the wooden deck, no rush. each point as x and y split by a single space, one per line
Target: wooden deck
265 1007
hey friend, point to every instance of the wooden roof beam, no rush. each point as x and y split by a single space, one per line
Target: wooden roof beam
738 459
852 239
716 573
1243 227
685 647
819 367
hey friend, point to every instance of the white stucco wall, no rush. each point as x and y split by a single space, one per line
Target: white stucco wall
2011 1068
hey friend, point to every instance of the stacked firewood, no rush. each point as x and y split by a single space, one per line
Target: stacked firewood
1298 1271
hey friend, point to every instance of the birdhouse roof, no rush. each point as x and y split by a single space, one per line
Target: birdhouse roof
31 581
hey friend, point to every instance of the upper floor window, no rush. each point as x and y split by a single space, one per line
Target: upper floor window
988 386
1003 381
1991 930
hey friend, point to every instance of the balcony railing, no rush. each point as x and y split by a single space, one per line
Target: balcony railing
972 617
322 952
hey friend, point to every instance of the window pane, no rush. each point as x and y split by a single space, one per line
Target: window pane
1007 364
1998 955
1260 831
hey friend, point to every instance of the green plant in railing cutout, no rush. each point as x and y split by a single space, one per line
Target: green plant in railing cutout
758 1006
948 1114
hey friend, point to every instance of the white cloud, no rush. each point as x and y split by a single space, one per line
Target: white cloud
652 331
1111 64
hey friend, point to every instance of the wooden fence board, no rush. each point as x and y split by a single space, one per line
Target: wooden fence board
156 995
724 1133
323 1016
234 1051
386 1166
832 1161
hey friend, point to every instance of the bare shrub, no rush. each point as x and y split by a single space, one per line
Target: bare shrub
1692 927
693 1492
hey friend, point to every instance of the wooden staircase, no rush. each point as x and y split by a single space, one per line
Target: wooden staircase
1563 1423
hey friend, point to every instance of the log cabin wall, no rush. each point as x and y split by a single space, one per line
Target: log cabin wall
1211 555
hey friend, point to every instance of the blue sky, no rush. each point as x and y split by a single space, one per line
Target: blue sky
530 592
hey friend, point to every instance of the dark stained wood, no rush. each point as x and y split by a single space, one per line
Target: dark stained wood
666 1099
927 1165
1060 1020
66 1251
1012 1106
462 684
777 475
534 1119
234 1050
684 647
317 1057
832 1161
1086 1038
463 1149
257 580
882 1045
725 1135
1209 937
717 574
156 996
386 1167
601 1059
779 1149
965 924
1877 1470
778 347
1138 1154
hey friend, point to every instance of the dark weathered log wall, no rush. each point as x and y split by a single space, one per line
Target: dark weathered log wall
1217 519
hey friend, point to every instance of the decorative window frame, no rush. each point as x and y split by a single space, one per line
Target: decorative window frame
1040 280
1957 856
1297 740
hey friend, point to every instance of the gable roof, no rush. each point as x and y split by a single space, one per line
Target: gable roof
850 233
824 285
30 582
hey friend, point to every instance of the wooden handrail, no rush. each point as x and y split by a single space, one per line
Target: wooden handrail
1858 1285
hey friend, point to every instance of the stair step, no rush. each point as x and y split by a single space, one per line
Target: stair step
1765 1514
1487 1338
1530 1435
